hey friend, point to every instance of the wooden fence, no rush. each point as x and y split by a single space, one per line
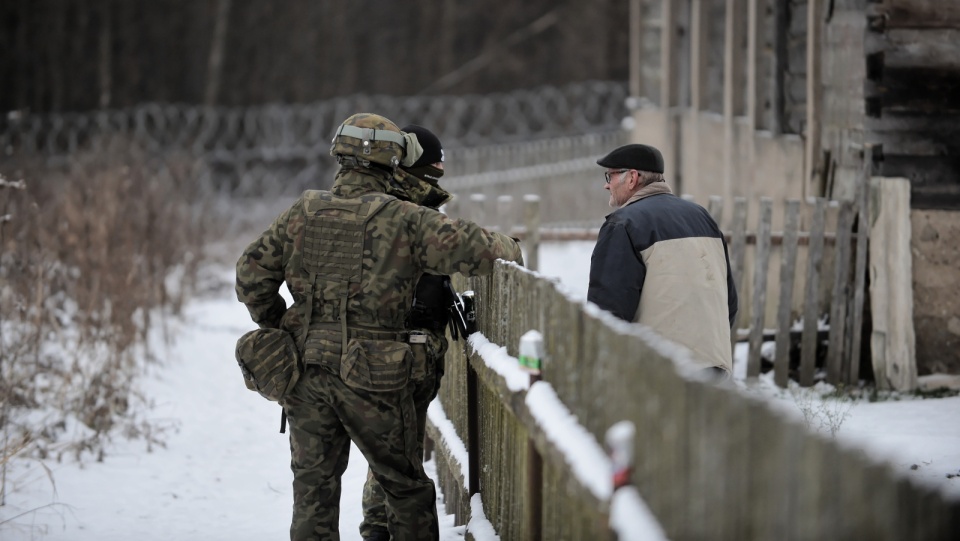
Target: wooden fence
794 282
819 282
711 462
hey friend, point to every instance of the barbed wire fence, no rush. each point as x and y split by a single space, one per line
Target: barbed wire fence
275 150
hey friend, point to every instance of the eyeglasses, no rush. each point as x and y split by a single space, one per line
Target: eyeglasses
609 174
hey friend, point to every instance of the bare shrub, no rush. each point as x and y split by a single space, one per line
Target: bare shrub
90 252
822 412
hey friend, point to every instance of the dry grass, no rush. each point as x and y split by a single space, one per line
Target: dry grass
90 253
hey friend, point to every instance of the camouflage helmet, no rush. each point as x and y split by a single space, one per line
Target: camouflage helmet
371 138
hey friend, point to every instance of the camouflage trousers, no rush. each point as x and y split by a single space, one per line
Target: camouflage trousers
324 415
374 500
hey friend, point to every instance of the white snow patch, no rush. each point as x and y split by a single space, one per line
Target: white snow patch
581 450
501 362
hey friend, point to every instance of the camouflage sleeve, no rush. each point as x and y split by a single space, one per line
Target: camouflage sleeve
260 272
461 246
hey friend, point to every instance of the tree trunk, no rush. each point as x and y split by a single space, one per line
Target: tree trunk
106 56
215 62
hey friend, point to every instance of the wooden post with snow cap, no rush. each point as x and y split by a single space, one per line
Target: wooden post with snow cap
619 444
530 358
531 216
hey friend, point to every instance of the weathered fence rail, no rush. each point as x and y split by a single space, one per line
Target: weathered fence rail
712 463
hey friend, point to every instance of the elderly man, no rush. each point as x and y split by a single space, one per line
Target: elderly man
662 261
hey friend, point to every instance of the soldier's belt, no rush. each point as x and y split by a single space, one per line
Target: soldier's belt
370 333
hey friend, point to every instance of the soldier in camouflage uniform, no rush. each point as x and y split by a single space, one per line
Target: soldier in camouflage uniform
351 258
429 316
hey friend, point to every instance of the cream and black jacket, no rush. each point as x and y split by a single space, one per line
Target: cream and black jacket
662 261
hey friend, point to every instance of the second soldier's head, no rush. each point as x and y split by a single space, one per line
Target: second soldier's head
421 179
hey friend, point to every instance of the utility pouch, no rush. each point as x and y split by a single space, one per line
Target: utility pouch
376 365
269 361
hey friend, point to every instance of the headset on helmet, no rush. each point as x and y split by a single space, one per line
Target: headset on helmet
369 138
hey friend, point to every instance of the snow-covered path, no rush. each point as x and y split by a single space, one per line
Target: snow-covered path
224 474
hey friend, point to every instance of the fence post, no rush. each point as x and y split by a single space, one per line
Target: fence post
891 292
759 287
738 236
788 264
531 207
473 430
810 338
531 354
619 442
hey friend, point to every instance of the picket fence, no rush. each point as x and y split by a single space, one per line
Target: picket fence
711 462
801 287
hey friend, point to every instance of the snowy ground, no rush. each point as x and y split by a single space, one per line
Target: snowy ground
224 471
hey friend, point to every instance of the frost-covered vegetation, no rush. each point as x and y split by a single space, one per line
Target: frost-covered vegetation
90 252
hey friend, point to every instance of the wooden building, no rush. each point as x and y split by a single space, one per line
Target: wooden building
802 98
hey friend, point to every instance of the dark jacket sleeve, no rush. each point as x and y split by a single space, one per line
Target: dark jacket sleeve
616 272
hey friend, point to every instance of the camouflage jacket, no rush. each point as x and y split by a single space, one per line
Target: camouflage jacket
400 242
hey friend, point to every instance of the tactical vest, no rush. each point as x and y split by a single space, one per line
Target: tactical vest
332 258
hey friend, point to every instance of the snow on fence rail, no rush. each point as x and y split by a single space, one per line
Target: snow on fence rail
711 463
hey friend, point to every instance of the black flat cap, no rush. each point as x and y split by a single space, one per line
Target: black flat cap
636 156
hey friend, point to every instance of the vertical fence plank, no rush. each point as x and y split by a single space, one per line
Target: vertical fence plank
788 266
860 270
809 340
841 286
759 287
738 248
715 208
673 453
694 467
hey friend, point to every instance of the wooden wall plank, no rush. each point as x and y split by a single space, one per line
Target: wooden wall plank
915 14
922 90
912 48
924 171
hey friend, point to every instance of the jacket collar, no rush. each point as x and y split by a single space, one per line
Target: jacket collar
656 188
351 182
